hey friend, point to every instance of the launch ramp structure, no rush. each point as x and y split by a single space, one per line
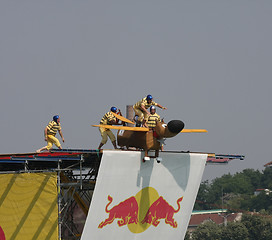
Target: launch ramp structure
77 171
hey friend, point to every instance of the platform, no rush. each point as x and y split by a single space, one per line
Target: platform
72 158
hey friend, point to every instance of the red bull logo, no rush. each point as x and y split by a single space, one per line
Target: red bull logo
161 209
2 235
141 211
127 211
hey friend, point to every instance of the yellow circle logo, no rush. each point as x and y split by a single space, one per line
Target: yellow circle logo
145 198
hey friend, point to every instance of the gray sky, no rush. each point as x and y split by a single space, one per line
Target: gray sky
208 62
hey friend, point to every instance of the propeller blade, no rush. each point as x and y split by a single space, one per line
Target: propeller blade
194 130
139 129
122 118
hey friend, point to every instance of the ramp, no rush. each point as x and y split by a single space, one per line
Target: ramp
136 200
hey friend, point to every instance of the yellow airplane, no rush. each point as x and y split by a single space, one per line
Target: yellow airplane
148 139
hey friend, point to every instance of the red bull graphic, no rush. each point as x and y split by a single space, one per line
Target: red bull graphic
161 209
127 211
2 235
163 196
139 219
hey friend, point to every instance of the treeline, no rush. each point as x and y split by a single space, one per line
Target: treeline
236 192
251 227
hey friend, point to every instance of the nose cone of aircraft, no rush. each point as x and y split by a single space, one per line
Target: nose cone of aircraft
175 126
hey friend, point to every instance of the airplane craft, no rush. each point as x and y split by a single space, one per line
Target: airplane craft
148 139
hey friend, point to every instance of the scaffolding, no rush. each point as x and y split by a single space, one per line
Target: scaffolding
76 176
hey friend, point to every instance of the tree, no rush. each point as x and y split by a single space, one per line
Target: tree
202 196
258 203
252 227
237 191
207 231
267 178
254 176
258 227
187 236
234 231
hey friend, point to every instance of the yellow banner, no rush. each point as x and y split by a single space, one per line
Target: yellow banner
28 206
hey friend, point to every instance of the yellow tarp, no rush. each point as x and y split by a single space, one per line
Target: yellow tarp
28 206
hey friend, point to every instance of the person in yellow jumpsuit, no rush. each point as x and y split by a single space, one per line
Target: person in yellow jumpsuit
153 118
50 132
108 119
140 109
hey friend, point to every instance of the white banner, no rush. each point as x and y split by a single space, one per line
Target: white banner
150 200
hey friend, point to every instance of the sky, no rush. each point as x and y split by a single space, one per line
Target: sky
208 62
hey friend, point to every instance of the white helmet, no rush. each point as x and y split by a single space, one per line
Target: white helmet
152 107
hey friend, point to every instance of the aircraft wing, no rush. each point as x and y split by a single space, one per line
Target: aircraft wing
122 118
142 129
139 129
193 130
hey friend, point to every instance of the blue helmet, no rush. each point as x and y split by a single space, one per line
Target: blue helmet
55 118
149 97
113 109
